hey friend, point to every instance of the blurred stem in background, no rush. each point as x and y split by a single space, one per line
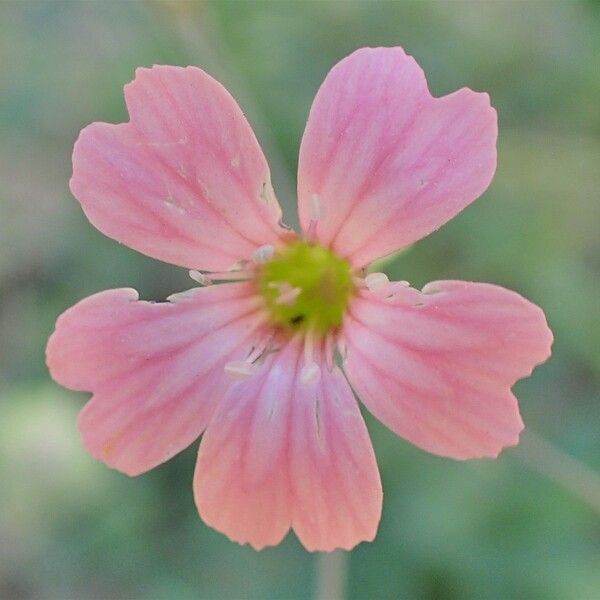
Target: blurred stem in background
545 458
535 452
331 575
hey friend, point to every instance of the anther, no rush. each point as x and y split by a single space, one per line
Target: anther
258 352
377 282
201 278
284 225
311 372
263 254
240 369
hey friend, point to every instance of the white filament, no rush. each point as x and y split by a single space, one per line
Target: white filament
311 371
240 369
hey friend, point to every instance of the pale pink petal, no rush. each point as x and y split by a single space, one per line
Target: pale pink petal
334 476
184 181
280 453
156 370
437 366
385 162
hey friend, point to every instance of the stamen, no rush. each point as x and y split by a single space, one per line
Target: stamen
316 214
261 349
311 372
263 254
201 278
397 290
241 369
377 282
284 225
212 276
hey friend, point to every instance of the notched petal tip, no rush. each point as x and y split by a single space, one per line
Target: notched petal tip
392 162
146 184
438 366
280 454
60 337
493 452
397 55
155 369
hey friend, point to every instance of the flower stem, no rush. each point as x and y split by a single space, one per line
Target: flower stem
331 575
543 456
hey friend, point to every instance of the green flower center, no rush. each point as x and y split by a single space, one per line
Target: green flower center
306 287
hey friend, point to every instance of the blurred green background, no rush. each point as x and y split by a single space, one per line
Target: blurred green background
525 526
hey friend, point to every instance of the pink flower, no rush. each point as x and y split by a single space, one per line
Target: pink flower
251 362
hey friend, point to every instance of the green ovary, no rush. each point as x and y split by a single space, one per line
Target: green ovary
306 287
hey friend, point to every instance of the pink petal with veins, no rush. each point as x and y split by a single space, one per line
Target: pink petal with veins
387 162
280 453
156 370
184 181
437 366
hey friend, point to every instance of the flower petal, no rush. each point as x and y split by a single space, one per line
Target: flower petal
437 366
156 370
387 162
184 181
281 453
